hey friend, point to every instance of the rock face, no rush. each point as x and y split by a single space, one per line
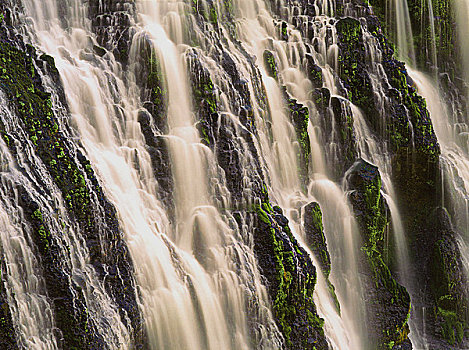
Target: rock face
315 238
8 333
404 123
445 277
291 278
112 22
388 300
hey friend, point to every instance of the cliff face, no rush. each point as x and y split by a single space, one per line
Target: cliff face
229 106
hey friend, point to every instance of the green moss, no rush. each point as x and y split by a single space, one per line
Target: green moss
270 64
21 84
300 118
293 282
451 303
284 30
34 107
213 15
155 80
452 327
205 100
387 295
208 14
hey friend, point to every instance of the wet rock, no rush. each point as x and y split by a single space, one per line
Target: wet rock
315 238
157 148
299 115
314 71
8 333
112 22
447 280
270 64
352 65
291 278
388 302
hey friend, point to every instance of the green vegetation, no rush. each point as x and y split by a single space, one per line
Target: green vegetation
293 281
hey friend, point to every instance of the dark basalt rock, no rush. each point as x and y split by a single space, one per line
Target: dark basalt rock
299 115
153 117
67 298
346 151
445 279
290 277
316 241
321 98
389 301
204 98
222 133
157 148
352 66
149 76
112 20
270 64
314 71
315 238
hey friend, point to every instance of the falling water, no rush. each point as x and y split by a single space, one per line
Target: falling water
454 152
431 19
403 30
281 155
33 312
462 14
187 302
195 270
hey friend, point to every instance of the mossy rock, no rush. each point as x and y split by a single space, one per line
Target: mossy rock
299 115
448 282
388 302
352 66
270 64
315 238
314 71
291 278
112 22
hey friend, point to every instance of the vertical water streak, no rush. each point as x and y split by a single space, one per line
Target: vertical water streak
433 52
167 279
31 310
404 36
454 151
194 167
461 10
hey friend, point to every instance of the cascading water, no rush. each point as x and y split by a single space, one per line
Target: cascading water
187 303
454 158
210 124
399 12
462 12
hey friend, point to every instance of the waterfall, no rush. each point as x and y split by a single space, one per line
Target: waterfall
160 184
403 30
281 157
461 12
454 157
188 302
